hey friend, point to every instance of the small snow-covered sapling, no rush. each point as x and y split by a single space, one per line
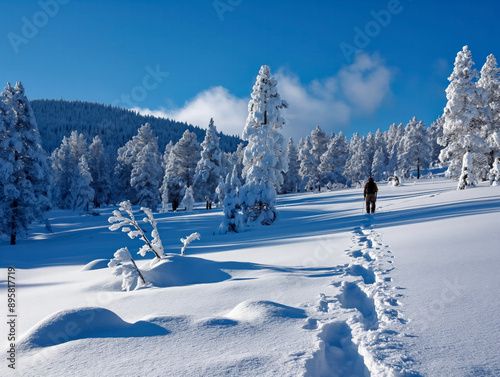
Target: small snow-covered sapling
186 241
129 272
120 221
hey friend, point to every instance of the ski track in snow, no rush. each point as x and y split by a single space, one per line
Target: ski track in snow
361 329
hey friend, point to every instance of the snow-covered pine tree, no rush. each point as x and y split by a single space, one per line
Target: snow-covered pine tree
392 136
146 176
233 218
370 150
465 118
392 166
166 154
435 131
221 191
380 142
82 194
319 142
188 199
24 169
307 169
181 166
99 170
415 150
265 155
379 166
356 169
10 143
208 169
490 83
291 177
334 159
65 160
127 156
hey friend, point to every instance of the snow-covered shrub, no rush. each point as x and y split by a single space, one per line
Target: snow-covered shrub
127 269
495 173
233 218
466 178
186 241
188 200
119 220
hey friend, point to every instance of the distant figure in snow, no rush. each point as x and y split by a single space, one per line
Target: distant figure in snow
370 195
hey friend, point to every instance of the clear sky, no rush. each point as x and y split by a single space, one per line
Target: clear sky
354 65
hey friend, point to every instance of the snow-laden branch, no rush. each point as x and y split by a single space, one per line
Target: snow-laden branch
186 241
127 224
129 272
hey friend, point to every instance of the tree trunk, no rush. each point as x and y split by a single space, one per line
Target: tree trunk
13 223
418 169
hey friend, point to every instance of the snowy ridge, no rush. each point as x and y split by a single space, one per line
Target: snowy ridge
363 329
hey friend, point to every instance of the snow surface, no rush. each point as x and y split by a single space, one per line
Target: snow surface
325 291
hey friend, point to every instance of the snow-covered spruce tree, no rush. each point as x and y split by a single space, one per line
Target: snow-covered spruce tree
379 166
393 136
65 161
81 193
208 169
415 150
465 118
356 169
164 197
24 169
334 159
307 168
265 155
221 191
435 131
146 176
181 166
99 170
127 156
233 218
392 166
188 199
370 150
166 154
490 83
291 177
319 143
9 138
380 143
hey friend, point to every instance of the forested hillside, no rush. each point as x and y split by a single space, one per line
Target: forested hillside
115 126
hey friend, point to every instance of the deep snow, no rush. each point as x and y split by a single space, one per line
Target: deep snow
325 291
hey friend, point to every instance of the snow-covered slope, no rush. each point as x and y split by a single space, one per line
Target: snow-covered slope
325 291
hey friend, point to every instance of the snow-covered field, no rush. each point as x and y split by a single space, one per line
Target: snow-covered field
326 291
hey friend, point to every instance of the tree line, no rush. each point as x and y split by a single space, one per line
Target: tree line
80 174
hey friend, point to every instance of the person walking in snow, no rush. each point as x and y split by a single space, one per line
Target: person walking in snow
370 195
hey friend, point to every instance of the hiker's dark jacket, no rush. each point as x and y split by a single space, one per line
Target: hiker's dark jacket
370 188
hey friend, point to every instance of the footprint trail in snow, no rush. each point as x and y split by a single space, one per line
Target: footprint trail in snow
361 329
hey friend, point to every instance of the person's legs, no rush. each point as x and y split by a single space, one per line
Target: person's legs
367 201
373 200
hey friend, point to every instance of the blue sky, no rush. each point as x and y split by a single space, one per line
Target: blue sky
194 59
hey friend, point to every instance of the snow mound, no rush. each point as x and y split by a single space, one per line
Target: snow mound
176 270
262 311
96 264
83 323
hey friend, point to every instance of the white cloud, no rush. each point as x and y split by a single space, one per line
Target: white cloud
228 111
356 90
